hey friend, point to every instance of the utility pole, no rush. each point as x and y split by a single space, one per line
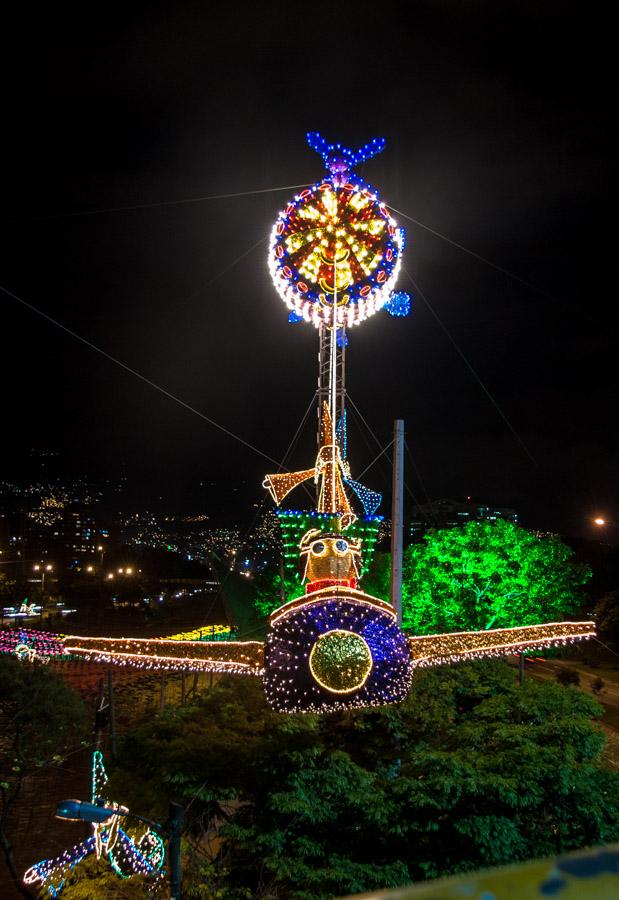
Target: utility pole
174 849
397 518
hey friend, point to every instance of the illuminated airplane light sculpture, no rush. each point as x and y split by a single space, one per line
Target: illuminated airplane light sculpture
334 257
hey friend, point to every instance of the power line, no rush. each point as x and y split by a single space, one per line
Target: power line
475 255
143 378
157 204
376 458
417 472
215 278
469 366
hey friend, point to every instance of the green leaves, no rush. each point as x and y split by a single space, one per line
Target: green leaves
488 575
470 771
267 591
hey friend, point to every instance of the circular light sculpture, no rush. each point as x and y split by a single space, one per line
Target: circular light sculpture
340 661
335 249
335 254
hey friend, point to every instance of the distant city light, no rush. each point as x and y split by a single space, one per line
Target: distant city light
600 521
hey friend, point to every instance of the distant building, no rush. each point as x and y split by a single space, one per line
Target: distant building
83 534
449 513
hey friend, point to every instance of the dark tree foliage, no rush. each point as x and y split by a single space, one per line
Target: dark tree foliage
471 771
606 615
40 718
567 676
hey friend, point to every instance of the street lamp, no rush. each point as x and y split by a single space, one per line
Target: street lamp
601 522
43 569
81 811
98 814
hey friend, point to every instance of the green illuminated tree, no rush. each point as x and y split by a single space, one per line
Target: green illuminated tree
488 575
267 591
378 578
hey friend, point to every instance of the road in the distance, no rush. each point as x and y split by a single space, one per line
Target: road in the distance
549 668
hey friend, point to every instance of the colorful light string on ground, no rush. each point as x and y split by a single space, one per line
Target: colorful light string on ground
31 644
205 633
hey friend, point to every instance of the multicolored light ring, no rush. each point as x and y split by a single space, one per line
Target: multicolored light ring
335 250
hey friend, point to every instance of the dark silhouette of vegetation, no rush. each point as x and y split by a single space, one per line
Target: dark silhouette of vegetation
606 615
40 718
567 676
471 771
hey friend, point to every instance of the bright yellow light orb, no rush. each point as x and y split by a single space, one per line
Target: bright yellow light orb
340 661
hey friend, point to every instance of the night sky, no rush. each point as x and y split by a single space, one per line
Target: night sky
496 117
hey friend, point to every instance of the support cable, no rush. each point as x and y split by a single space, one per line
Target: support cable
460 353
606 645
383 451
422 484
264 499
159 203
483 259
137 374
356 418
223 271
376 458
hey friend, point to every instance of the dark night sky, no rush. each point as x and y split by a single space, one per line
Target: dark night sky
496 118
